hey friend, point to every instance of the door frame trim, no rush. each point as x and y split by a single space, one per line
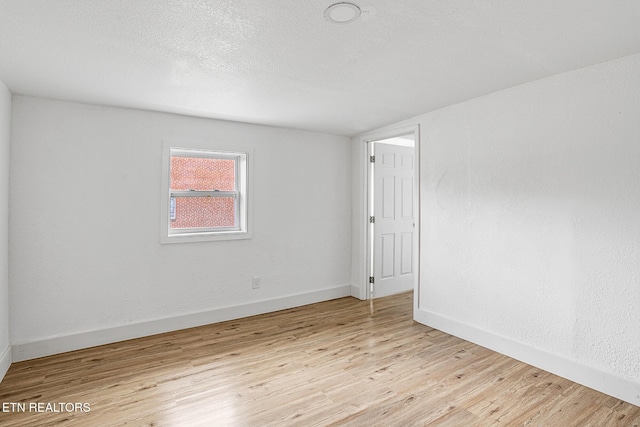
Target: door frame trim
365 262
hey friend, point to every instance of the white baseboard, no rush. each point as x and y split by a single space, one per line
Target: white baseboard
588 376
61 344
356 292
5 361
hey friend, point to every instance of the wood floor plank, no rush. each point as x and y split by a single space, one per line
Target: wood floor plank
343 363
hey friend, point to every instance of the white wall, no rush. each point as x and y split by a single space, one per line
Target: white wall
530 223
5 135
87 265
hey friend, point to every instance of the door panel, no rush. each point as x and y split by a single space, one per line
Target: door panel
406 254
394 211
388 197
389 159
407 198
388 255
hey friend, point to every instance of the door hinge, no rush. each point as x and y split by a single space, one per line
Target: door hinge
371 279
372 159
372 219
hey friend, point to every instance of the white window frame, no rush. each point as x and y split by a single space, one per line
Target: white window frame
240 195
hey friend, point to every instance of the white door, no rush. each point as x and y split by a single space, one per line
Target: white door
393 222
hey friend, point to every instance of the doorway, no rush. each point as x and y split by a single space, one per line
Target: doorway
392 214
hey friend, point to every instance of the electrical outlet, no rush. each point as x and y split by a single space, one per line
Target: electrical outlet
255 282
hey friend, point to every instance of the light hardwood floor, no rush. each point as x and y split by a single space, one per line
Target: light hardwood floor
344 362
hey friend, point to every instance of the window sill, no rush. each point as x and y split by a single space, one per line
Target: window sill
205 237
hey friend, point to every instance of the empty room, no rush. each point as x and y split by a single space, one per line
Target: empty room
290 213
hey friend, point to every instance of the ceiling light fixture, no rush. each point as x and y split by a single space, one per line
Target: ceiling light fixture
342 13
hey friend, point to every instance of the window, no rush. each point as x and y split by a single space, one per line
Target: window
205 195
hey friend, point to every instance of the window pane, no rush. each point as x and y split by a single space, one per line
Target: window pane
203 212
197 173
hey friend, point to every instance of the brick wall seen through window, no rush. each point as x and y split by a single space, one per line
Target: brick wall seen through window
203 174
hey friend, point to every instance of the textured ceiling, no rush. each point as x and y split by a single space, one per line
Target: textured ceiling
278 62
